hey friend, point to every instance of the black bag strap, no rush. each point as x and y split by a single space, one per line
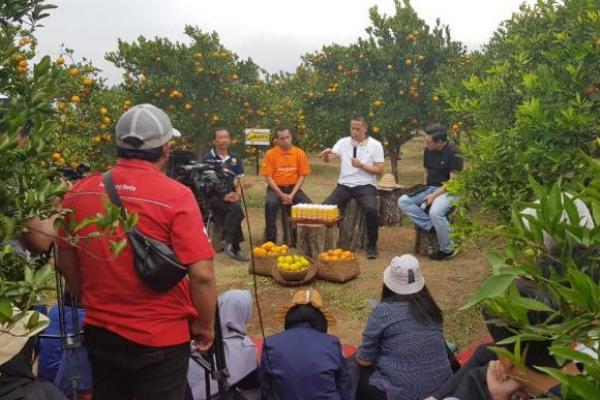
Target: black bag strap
109 185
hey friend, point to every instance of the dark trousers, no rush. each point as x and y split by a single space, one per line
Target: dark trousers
366 391
272 203
229 216
126 370
366 196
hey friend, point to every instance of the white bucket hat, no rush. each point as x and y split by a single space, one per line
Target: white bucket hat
14 336
403 275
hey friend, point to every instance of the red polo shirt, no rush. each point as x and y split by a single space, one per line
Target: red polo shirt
113 295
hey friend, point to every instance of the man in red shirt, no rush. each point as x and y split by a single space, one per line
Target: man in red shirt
138 339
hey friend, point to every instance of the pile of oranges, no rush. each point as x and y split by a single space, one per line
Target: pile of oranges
337 254
270 249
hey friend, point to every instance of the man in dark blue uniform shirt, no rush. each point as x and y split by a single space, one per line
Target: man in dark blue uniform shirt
228 211
440 160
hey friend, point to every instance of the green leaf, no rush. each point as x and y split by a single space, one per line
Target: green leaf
6 310
117 247
493 286
495 260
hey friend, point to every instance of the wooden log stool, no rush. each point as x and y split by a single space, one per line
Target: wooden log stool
353 227
286 232
426 241
313 239
389 212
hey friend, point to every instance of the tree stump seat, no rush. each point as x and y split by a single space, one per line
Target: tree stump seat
286 231
426 241
353 227
313 239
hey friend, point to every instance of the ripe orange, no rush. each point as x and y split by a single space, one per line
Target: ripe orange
268 245
75 99
56 156
376 129
73 72
408 62
87 81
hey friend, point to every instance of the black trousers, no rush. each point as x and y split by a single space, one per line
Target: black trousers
229 216
272 203
366 196
126 370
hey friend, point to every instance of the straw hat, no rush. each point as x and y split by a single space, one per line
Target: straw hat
403 275
307 296
14 336
387 182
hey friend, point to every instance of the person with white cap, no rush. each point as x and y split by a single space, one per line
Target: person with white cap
403 353
139 339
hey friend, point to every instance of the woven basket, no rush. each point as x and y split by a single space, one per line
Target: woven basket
338 270
292 276
263 265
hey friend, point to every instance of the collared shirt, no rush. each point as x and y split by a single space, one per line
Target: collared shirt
231 161
369 152
285 167
114 297
410 357
439 164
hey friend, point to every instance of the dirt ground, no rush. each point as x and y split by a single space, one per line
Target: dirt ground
451 282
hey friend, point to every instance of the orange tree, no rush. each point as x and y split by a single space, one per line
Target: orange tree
533 105
390 76
201 85
87 111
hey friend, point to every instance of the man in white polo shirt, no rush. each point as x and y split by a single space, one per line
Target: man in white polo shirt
362 161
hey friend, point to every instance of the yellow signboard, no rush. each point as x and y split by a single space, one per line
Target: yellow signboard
257 137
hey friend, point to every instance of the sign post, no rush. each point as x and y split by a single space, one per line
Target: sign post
257 137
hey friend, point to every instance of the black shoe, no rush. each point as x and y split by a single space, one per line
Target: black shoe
235 254
371 252
441 255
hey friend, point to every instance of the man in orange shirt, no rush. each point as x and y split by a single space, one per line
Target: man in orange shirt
284 168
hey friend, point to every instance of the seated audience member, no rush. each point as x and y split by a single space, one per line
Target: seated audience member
50 349
284 167
304 362
474 378
429 208
235 310
17 380
227 209
361 161
403 353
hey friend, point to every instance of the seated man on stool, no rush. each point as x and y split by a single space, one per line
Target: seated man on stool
440 160
227 210
361 161
284 168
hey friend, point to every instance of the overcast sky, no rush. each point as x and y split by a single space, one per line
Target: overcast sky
274 33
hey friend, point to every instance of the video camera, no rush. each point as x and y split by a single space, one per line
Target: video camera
207 179
74 174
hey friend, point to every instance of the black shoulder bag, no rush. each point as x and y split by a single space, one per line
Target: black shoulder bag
155 262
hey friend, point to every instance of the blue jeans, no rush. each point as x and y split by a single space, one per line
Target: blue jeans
437 217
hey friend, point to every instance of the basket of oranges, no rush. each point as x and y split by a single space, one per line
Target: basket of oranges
337 265
293 268
265 258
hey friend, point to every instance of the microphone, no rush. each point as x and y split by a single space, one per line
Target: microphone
354 152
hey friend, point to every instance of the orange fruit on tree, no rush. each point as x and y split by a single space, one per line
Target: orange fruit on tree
75 99
376 129
87 81
56 156
73 72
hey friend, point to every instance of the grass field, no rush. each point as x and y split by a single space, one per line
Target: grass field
451 282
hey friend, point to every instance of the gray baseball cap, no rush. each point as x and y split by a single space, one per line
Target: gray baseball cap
148 124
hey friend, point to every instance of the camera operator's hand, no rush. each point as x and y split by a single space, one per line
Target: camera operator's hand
231 197
202 337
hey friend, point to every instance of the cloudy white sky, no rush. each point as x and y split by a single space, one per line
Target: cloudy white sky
274 33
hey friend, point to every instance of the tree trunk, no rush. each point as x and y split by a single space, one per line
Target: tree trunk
394 158
286 233
314 239
389 213
353 228
425 242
